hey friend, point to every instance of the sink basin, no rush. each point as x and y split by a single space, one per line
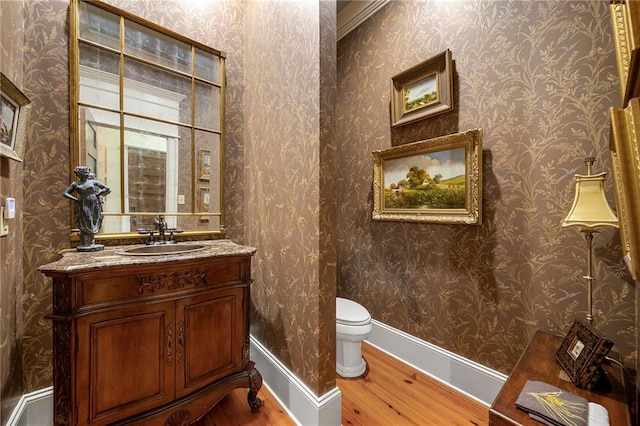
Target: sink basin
163 249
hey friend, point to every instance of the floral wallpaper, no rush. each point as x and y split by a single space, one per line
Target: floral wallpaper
538 78
290 197
302 117
11 265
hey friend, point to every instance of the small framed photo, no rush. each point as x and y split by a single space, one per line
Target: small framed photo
581 353
205 164
15 109
436 180
422 91
204 200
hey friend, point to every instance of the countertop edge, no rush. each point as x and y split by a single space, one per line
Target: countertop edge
74 261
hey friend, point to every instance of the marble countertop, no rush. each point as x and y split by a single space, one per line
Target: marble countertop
73 260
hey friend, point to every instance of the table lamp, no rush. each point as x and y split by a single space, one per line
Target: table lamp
590 210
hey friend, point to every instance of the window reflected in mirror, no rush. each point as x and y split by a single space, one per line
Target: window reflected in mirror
150 118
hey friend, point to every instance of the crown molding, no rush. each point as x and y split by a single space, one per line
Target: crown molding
355 13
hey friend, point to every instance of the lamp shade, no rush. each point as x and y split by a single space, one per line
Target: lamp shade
590 208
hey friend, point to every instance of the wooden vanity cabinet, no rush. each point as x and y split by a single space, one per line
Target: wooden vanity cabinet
157 343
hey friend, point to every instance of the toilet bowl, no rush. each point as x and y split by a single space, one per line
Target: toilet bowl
353 325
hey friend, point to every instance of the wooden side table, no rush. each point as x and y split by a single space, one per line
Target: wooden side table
538 363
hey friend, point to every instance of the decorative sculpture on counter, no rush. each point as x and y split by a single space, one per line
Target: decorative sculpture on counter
88 208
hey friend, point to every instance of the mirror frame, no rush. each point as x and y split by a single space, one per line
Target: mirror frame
74 81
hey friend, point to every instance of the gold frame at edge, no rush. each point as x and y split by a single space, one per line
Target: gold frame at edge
625 157
471 140
625 18
442 64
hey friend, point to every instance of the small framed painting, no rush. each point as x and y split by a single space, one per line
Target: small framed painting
422 91
205 201
436 180
205 164
15 109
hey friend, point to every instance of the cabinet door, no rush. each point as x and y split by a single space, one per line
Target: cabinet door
126 361
210 338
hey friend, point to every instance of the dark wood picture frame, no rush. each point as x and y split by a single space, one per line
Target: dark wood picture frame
581 353
433 82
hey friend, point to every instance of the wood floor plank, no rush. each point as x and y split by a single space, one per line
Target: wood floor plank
390 394
400 395
233 409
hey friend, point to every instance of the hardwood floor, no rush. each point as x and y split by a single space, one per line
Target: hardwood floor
234 410
390 394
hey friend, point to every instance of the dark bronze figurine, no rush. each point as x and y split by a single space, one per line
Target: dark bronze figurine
88 208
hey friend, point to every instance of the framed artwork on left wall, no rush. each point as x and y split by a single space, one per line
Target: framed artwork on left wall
15 109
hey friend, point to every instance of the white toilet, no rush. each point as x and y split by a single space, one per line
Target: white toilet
353 325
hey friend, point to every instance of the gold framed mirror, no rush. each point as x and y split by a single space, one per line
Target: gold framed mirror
147 117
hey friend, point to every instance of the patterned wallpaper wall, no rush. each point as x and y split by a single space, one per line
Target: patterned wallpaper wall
539 79
11 245
290 153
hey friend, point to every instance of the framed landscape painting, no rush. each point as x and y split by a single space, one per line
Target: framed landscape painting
423 90
15 109
436 180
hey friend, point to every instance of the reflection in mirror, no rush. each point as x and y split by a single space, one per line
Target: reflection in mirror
149 121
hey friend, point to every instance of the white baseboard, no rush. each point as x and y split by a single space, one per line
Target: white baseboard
468 377
33 409
302 405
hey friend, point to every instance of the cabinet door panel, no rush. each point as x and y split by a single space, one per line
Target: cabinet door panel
129 363
210 338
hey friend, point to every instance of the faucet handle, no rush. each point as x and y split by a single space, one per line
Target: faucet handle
151 232
171 232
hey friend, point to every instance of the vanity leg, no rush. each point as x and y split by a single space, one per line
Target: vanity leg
255 383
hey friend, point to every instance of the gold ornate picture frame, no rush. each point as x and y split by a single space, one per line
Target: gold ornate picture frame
422 91
436 180
625 160
15 109
625 16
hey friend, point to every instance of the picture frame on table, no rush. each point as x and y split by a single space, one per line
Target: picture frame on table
582 352
422 91
15 109
437 180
